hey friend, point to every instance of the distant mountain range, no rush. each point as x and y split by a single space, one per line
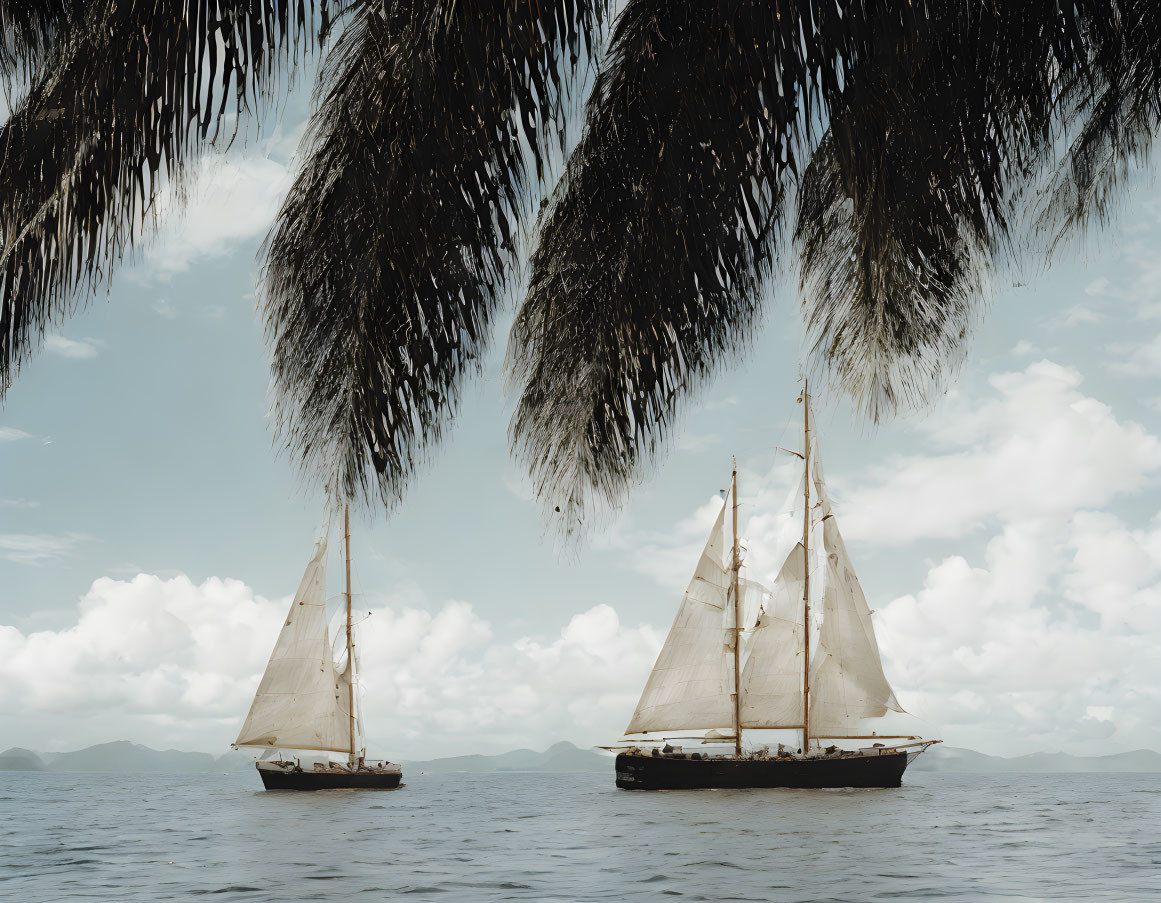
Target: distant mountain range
951 758
123 756
560 757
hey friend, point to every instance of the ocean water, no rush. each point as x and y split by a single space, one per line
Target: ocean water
574 837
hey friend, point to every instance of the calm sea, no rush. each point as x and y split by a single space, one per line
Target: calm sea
573 837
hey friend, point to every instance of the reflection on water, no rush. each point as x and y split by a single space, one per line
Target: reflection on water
574 837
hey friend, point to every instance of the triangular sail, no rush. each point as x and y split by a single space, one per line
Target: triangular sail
772 673
302 702
847 683
691 684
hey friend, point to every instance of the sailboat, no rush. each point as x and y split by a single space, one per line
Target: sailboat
799 656
304 702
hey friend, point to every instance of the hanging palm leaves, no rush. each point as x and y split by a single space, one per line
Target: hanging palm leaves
903 137
122 93
399 237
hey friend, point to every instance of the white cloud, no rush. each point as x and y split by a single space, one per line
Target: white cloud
11 434
232 202
1049 645
697 442
518 484
1048 641
1137 359
1138 281
82 350
18 503
38 548
167 661
1045 639
165 309
1079 314
1023 348
1036 448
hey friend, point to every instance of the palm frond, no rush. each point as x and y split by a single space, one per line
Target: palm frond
1116 106
653 253
29 31
397 241
907 201
109 120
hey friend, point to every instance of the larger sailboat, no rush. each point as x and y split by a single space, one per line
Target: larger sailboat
305 702
801 656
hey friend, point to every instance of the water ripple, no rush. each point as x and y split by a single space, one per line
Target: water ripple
537 837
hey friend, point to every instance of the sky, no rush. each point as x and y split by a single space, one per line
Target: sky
152 533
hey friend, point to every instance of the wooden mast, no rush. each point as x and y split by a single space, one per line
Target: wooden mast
350 637
737 625
806 461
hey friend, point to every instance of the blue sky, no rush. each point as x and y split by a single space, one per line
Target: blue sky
150 532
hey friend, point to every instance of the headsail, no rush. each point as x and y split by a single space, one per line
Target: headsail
302 702
691 684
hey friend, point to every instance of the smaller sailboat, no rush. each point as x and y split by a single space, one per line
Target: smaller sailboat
740 656
305 702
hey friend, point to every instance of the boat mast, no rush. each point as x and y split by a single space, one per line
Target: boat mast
737 626
350 639
806 461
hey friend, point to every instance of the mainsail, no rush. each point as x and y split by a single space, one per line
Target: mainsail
847 683
692 684
302 701
772 674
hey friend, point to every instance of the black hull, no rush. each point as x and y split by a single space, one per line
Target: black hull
329 780
645 772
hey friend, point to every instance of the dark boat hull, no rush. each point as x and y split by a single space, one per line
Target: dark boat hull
330 780
646 772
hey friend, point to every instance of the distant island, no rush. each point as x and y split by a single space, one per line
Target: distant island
123 756
954 759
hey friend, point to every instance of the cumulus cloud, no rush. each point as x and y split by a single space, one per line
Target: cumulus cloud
1037 447
1046 643
1079 314
169 661
1137 359
1033 448
1138 282
233 201
1044 640
1043 637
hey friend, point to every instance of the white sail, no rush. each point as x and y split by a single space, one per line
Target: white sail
847 683
302 702
350 675
772 670
691 684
